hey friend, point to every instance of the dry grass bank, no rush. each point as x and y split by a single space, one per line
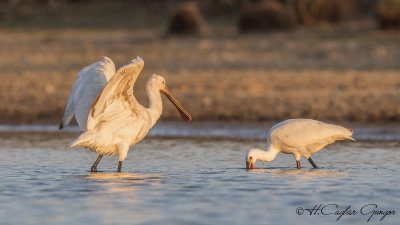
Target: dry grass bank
326 74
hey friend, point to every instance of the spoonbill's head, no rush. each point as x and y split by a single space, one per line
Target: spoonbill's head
158 82
251 158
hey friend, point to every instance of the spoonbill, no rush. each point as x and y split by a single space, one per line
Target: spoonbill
300 137
108 113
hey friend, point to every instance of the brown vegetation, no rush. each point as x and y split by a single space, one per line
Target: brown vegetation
135 14
266 16
325 75
186 20
344 72
388 14
365 7
310 12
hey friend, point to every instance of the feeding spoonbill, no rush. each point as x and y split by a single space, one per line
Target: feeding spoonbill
108 113
299 137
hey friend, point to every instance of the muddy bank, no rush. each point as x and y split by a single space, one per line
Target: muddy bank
321 74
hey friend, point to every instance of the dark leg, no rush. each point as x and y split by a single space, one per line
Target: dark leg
312 163
119 166
298 164
94 167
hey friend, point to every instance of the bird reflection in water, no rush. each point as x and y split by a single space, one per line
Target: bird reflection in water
122 182
301 174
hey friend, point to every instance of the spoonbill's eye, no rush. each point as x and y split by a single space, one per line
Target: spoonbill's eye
251 157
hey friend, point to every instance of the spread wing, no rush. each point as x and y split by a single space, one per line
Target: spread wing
118 90
87 86
307 133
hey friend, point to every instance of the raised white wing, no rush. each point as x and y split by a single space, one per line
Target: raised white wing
311 134
119 90
87 86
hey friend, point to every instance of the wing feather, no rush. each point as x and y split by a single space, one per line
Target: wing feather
87 86
120 86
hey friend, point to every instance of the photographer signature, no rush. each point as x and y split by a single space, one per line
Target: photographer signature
368 210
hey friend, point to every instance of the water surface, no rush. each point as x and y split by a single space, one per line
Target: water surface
191 180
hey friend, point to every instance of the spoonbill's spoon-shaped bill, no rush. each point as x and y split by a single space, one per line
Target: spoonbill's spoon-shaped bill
300 137
184 114
107 111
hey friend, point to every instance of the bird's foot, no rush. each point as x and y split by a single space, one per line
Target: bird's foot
93 170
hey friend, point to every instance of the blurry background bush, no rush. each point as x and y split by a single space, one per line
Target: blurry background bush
186 20
266 16
388 14
310 12
187 17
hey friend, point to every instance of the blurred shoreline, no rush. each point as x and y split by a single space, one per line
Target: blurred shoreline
269 77
344 72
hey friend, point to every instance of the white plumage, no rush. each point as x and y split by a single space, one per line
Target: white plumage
299 137
87 86
108 112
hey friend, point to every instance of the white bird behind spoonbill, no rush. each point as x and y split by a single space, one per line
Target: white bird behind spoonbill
300 137
108 113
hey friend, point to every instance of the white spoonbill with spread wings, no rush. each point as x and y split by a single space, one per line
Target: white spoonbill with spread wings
108 113
300 137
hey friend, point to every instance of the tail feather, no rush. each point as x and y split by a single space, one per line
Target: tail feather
82 140
350 138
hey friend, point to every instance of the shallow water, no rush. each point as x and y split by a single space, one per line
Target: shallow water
192 181
233 130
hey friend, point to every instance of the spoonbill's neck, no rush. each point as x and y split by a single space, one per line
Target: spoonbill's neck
155 102
268 155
